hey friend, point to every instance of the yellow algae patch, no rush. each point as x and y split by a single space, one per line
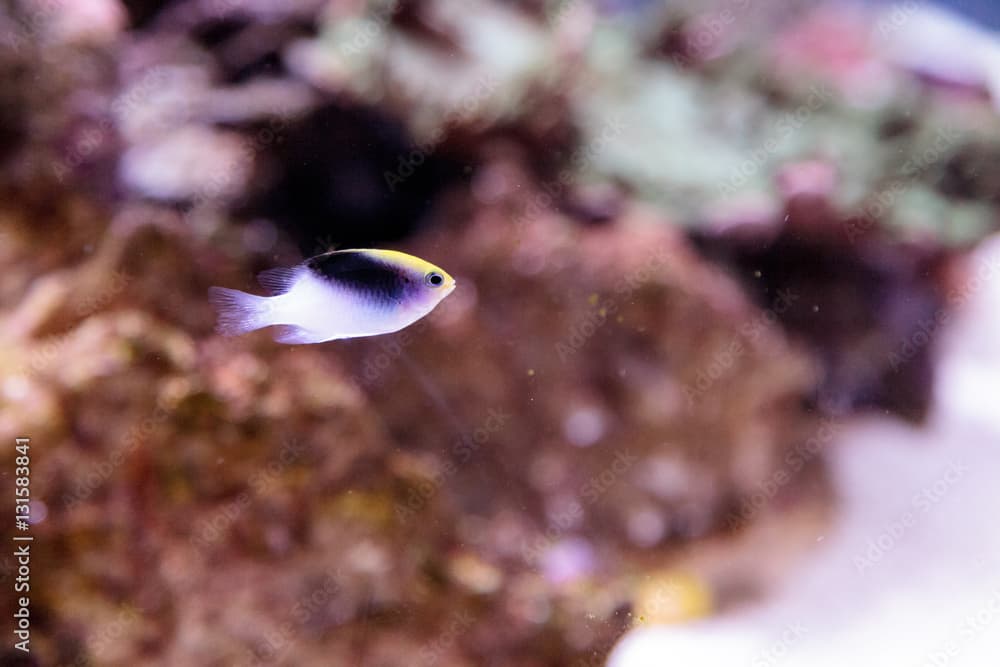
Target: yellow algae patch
671 597
370 508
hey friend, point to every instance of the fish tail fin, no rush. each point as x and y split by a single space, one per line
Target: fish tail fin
239 312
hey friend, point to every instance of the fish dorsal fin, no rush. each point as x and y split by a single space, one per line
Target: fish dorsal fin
279 280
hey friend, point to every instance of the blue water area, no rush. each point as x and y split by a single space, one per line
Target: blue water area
986 12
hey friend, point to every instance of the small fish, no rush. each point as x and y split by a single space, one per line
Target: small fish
339 294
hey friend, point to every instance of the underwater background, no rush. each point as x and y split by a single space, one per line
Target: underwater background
718 385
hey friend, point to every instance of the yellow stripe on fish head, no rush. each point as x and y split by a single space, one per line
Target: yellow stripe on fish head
411 264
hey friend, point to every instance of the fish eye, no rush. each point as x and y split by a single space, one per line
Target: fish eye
434 279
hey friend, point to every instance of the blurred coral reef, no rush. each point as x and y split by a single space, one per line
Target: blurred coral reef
688 242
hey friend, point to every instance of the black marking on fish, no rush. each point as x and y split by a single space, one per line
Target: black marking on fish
360 272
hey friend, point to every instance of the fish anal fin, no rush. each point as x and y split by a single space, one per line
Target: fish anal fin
295 335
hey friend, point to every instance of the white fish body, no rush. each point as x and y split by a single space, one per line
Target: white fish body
340 294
